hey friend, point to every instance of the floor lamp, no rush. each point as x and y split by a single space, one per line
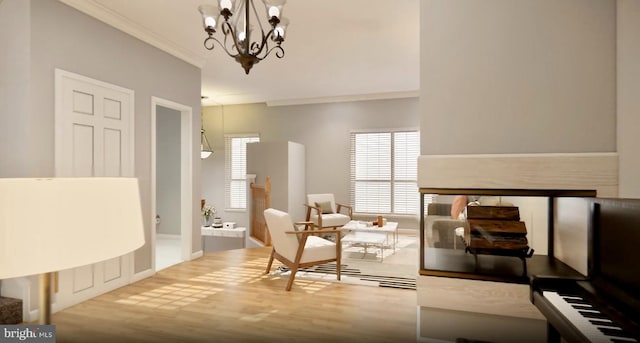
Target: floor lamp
48 225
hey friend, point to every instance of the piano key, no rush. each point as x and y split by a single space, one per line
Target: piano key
623 340
576 301
582 307
592 314
581 323
566 293
617 332
602 322
571 296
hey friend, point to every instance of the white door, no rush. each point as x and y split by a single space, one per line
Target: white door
93 137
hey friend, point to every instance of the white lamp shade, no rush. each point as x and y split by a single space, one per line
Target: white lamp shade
48 225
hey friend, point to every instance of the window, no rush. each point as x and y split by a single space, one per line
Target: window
235 173
384 172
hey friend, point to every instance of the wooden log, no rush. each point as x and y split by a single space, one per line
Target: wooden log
497 227
519 243
493 212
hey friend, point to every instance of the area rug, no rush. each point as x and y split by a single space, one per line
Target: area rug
397 270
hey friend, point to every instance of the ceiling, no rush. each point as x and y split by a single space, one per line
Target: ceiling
335 50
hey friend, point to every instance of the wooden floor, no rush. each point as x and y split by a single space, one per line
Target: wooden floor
226 297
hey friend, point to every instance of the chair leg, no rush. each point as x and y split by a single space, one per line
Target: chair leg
292 276
270 261
338 256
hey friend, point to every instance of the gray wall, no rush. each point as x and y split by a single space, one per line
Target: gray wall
628 93
284 163
271 159
61 37
534 76
297 179
15 143
168 170
324 130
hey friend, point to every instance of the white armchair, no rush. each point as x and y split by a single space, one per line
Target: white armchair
324 212
299 248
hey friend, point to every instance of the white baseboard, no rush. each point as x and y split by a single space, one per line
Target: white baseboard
168 236
197 254
254 243
141 275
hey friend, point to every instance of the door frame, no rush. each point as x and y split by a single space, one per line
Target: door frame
186 176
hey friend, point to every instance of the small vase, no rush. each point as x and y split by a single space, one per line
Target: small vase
206 221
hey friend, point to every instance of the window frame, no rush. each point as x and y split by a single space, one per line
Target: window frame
229 172
393 181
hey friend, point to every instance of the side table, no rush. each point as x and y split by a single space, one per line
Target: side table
222 239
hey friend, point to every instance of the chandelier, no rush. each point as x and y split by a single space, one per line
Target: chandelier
241 42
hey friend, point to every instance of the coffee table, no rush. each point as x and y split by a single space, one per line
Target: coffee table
359 232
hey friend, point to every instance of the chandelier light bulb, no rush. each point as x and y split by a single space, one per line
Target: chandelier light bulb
208 17
226 4
209 22
274 12
279 31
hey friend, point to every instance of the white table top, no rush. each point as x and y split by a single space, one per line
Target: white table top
221 232
356 225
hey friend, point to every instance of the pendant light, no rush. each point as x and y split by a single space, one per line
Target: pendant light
205 148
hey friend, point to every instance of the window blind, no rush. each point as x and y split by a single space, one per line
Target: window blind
384 172
236 169
406 147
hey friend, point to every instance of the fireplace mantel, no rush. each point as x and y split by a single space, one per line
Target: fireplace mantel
543 172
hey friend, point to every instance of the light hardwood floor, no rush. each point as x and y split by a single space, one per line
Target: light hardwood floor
226 297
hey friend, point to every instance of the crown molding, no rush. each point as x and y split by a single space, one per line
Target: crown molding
124 24
345 98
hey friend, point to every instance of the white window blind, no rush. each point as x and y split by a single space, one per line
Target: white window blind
406 147
236 170
384 172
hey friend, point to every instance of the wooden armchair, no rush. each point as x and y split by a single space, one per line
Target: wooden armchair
324 212
299 248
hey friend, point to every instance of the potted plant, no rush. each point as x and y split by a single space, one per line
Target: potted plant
207 214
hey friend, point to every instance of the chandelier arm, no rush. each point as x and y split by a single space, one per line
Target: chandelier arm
227 30
211 40
253 5
255 48
279 52
212 45
264 44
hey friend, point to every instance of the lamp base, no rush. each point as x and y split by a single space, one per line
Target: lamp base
44 315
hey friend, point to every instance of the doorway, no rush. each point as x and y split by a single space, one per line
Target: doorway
171 186
167 224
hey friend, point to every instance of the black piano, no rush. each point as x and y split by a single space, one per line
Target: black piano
605 305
